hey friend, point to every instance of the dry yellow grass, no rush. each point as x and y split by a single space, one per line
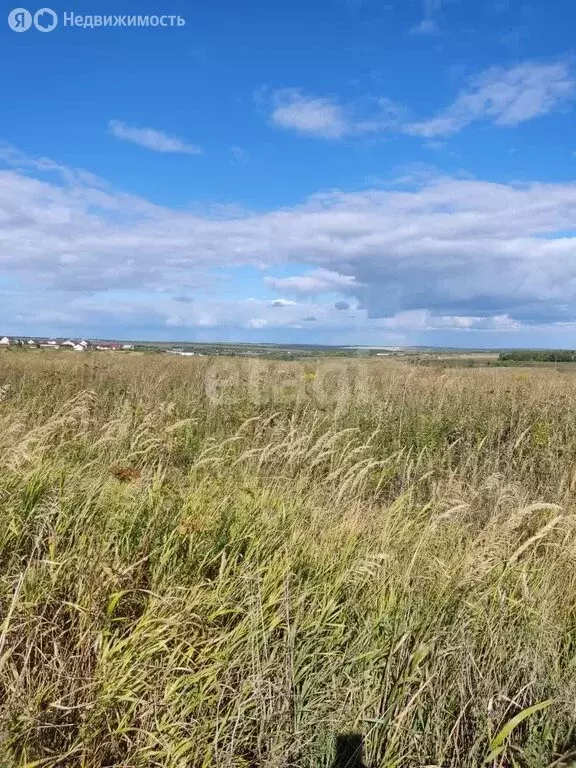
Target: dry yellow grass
229 563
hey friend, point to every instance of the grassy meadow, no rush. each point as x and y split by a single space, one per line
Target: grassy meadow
231 562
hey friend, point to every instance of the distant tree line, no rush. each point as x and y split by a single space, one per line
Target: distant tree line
539 356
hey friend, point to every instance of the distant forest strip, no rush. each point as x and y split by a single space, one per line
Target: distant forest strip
539 356
506 359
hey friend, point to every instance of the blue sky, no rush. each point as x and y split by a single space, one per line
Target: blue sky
343 171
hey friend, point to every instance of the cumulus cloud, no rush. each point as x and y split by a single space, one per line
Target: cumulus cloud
282 303
327 118
293 109
504 96
442 253
315 282
157 141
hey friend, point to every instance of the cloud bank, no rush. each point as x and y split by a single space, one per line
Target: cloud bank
441 253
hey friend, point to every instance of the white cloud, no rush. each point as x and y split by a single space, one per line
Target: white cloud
293 109
326 118
257 322
158 141
281 303
504 96
483 255
315 282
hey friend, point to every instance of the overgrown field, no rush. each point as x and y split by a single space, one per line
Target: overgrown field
211 563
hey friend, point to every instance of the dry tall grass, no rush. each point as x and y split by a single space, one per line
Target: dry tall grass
194 576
